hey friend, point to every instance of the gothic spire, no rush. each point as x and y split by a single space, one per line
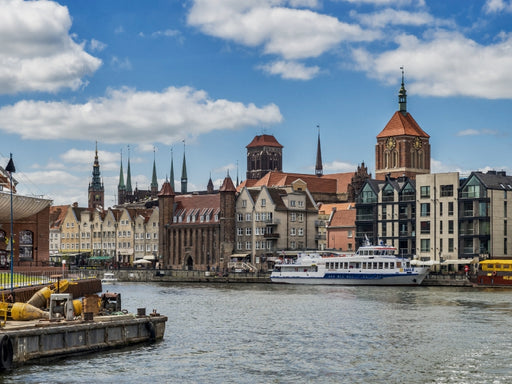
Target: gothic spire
318 167
129 176
172 170
154 180
402 96
184 179
121 186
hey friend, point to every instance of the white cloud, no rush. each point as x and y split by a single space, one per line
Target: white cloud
476 132
339 166
291 70
445 64
97 46
118 63
420 3
287 32
37 53
127 116
496 6
394 17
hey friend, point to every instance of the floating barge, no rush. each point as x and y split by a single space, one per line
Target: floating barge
63 334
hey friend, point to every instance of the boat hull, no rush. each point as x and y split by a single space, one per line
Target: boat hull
351 279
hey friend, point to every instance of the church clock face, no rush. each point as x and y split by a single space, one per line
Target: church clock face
417 143
390 143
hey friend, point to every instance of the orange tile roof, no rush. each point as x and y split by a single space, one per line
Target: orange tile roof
264 141
402 125
334 183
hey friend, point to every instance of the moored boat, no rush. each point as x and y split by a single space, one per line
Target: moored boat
108 278
493 273
370 265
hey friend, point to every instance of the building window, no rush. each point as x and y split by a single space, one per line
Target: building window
292 245
441 227
425 191
239 245
301 232
292 231
248 231
240 217
263 202
240 231
247 245
300 203
450 208
300 217
425 209
247 217
244 203
292 203
293 216
425 227
425 245
450 227
450 245
446 190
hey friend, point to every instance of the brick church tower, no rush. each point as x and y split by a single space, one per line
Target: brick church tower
403 148
264 154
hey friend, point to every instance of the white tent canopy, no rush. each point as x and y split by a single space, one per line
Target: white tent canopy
22 206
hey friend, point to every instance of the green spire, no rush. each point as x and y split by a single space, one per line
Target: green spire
402 96
129 176
121 185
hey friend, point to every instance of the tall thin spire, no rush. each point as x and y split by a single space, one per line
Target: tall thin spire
318 167
121 186
96 189
184 179
402 96
129 190
154 180
172 170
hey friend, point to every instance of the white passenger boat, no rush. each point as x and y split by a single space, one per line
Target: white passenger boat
109 278
370 265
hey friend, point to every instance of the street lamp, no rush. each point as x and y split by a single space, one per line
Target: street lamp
11 169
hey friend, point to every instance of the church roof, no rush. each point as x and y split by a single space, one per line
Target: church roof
402 124
264 141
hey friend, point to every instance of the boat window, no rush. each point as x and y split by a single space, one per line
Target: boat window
345 265
336 265
386 266
375 265
506 266
380 265
498 266
392 265
398 264
358 265
364 265
407 265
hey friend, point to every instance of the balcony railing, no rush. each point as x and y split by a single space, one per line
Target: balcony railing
320 236
271 235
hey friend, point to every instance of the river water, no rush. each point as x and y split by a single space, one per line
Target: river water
263 333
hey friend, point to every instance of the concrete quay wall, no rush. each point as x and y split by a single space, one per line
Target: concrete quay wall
152 275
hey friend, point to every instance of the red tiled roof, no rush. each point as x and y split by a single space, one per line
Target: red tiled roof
264 141
334 183
166 190
402 125
227 185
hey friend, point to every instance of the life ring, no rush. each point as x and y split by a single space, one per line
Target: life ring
6 353
151 329
494 274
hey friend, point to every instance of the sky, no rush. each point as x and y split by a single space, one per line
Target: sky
149 80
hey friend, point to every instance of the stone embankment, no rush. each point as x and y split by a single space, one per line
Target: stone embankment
175 276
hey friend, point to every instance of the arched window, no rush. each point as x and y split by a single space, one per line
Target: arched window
395 159
386 160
